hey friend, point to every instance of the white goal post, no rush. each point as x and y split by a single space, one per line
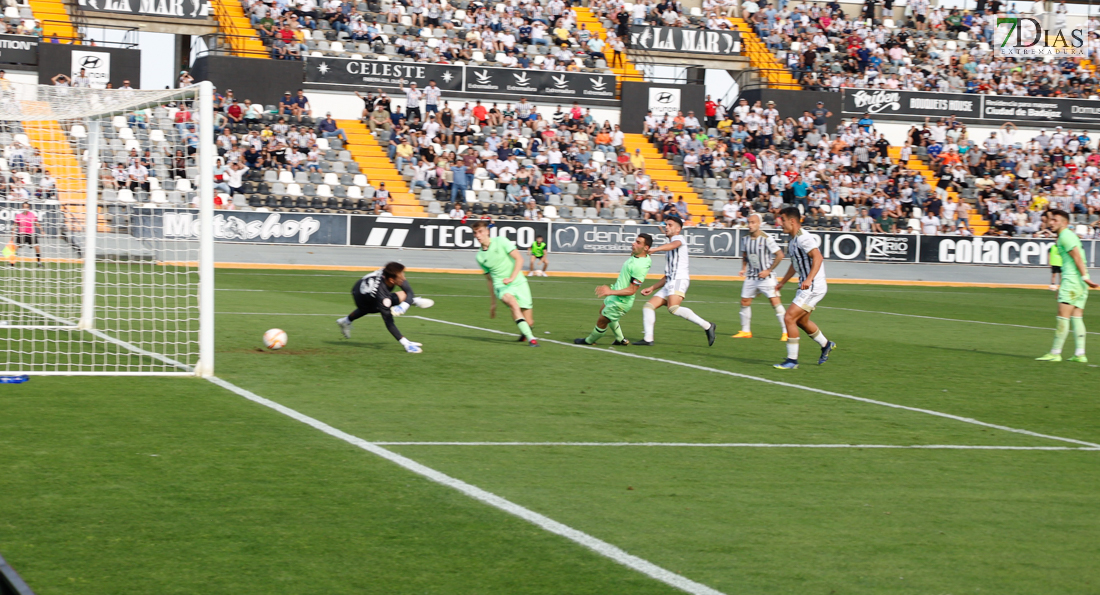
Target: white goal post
89 284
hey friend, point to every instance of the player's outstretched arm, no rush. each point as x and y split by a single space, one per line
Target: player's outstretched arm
391 326
649 290
604 290
1079 262
666 247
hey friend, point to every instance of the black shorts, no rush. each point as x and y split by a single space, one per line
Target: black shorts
1056 269
29 239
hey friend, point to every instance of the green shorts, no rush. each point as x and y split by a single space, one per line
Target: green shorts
1075 293
519 288
613 309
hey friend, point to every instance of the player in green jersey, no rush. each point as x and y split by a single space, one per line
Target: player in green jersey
1055 267
538 253
1073 291
503 266
619 298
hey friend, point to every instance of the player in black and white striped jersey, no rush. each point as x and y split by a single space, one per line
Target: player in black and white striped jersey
672 288
760 255
807 261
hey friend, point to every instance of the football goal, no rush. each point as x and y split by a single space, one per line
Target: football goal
89 284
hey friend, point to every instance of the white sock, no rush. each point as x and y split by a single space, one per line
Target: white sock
820 338
687 314
649 318
792 348
746 319
781 314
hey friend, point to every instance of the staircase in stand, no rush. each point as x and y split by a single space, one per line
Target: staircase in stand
244 40
370 154
59 158
626 71
55 20
662 173
978 225
761 58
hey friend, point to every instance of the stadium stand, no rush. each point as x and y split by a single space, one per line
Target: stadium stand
237 30
934 49
495 163
526 35
53 18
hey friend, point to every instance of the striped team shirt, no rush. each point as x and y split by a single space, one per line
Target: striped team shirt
676 261
759 253
799 250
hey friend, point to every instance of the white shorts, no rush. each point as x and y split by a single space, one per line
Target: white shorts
755 286
675 287
808 300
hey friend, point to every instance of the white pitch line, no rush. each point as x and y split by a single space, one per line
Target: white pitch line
597 545
279 314
784 384
744 445
590 299
1041 328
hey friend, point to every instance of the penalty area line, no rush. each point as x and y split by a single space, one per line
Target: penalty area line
543 522
820 391
745 445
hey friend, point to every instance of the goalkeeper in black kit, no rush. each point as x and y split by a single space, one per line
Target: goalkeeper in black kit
374 294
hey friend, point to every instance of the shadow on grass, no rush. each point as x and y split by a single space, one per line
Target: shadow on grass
354 343
1038 351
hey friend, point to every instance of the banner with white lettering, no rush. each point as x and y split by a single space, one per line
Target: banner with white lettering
990 251
592 238
243 226
691 41
382 73
18 49
998 108
911 103
508 84
406 232
177 9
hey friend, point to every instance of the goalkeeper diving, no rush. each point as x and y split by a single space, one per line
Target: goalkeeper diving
375 294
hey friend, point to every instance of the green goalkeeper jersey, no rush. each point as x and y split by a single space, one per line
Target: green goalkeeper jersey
633 273
497 261
1067 241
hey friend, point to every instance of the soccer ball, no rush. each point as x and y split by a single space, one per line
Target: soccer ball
275 338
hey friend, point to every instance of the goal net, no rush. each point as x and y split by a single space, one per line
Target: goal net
89 283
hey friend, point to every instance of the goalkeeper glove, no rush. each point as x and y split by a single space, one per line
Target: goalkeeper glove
400 309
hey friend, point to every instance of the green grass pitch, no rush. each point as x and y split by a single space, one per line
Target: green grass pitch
175 485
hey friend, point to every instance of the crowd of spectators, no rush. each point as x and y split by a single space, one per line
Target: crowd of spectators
18 19
1014 177
749 160
510 160
518 34
931 48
